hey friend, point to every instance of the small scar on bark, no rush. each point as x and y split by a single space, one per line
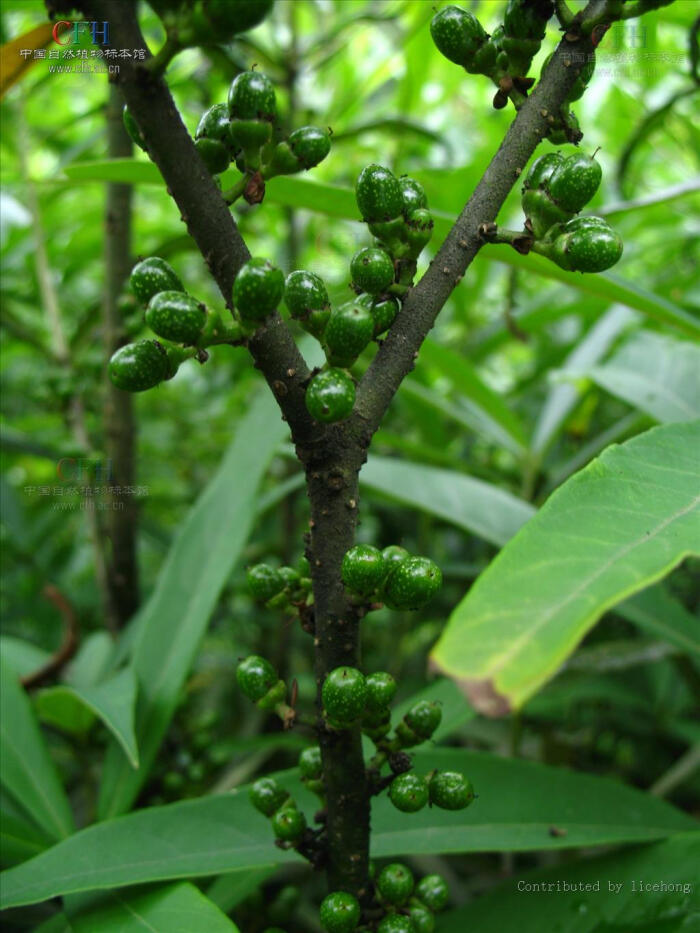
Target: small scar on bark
291 373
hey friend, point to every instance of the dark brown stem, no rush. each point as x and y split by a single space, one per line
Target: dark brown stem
68 646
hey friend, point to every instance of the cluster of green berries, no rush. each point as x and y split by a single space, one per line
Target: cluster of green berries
392 576
448 790
260 682
277 587
408 907
183 325
207 22
276 803
556 188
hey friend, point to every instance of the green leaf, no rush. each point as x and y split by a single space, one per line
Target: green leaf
176 908
654 373
26 769
469 503
518 803
655 611
334 201
22 656
19 840
171 625
604 890
113 701
620 524
227 891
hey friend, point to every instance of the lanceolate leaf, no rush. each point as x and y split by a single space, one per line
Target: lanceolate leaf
612 529
615 892
171 625
26 769
519 802
657 612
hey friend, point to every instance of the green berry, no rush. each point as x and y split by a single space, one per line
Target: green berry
214 154
381 689
289 824
139 366
234 16
574 181
395 883
176 316
433 892
215 124
274 696
383 311
581 83
330 396
310 764
378 194
419 230
412 583
267 795
422 919
396 923
541 211
343 694
151 276
348 331
310 145
458 34
252 97
264 582
132 128
340 912
408 793
307 300
372 270
257 290
542 170
527 19
363 569
450 790
394 554
256 676
412 194
586 244
424 717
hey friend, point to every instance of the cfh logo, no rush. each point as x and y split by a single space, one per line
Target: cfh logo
67 32
72 469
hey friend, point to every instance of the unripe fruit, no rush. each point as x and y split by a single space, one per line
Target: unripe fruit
396 923
412 194
372 270
525 19
153 275
234 16
419 230
139 366
214 124
541 211
289 824
343 694
132 128
310 764
307 300
581 83
424 717
383 311
586 245
310 145
378 194
340 912
395 883
176 316
252 97
264 582
450 790
433 892
255 676
214 154
412 583
330 396
394 554
381 689
257 290
574 181
458 34
267 795
408 793
348 331
422 919
363 569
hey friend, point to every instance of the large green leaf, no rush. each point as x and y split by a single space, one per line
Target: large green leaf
648 883
112 701
655 373
620 524
171 625
20 840
175 908
518 803
22 656
469 503
655 611
26 769
334 201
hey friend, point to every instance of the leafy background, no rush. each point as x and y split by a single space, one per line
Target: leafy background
530 374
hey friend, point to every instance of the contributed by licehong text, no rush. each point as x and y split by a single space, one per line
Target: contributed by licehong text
608 886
